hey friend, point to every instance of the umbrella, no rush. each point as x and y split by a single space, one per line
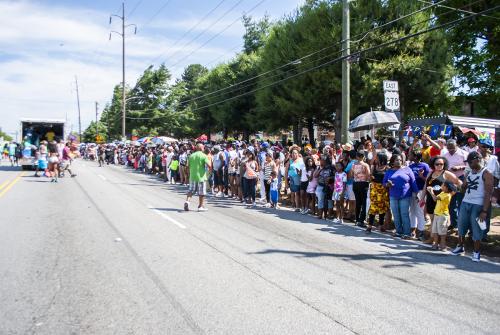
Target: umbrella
373 119
156 140
166 139
202 138
144 140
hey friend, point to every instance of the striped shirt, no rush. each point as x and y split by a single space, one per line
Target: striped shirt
268 168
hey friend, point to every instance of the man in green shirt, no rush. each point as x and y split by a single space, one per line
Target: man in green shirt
198 164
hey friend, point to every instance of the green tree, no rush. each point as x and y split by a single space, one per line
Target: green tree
90 135
111 115
255 33
147 109
5 136
184 121
475 45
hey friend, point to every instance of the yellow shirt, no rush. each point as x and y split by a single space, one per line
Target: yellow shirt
50 136
426 154
443 201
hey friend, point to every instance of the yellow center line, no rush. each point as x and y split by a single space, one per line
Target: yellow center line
2 185
9 186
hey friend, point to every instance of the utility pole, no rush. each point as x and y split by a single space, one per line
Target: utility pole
96 118
79 113
346 69
122 34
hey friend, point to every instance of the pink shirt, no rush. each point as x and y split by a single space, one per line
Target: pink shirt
457 159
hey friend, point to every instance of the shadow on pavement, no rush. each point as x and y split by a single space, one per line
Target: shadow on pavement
10 168
403 259
410 254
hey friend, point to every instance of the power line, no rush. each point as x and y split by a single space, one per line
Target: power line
460 9
156 14
206 29
315 52
220 57
134 8
190 30
397 19
218 34
357 53
237 87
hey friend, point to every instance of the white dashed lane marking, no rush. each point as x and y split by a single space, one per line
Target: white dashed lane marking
166 217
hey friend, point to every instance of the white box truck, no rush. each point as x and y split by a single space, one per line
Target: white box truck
33 131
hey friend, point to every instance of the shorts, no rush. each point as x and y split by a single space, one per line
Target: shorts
440 224
320 195
53 160
198 187
467 219
337 196
42 164
294 184
273 194
218 177
349 193
303 185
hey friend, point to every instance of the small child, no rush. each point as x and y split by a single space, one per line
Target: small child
338 192
273 190
441 219
174 166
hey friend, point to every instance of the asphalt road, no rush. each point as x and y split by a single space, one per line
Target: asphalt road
112 252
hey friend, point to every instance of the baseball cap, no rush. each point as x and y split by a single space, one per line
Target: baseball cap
472 156
471 139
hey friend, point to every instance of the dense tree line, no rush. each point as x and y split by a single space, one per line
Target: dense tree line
288 74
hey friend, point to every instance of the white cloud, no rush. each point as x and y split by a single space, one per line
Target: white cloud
43 48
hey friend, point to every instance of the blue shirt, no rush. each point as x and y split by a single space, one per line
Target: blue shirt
348 168
403 182
416 167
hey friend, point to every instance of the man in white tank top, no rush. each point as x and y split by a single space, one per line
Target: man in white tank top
477 188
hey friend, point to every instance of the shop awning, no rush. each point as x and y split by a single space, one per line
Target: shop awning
458 121
473 122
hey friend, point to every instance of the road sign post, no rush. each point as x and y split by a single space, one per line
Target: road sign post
391 95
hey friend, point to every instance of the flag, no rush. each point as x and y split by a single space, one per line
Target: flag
434 131
417 131
445 130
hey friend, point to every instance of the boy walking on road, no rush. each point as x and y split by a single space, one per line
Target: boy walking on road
198 164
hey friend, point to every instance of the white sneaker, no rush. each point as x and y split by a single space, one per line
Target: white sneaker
476 256
218 195
268 205
202 209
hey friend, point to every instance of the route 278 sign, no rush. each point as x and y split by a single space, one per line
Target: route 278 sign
391 95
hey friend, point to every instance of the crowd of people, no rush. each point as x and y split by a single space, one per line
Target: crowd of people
51 159
376 184
12 151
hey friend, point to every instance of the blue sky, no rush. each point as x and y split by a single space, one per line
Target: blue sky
44 44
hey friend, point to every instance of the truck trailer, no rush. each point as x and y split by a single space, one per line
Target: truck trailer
33 131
